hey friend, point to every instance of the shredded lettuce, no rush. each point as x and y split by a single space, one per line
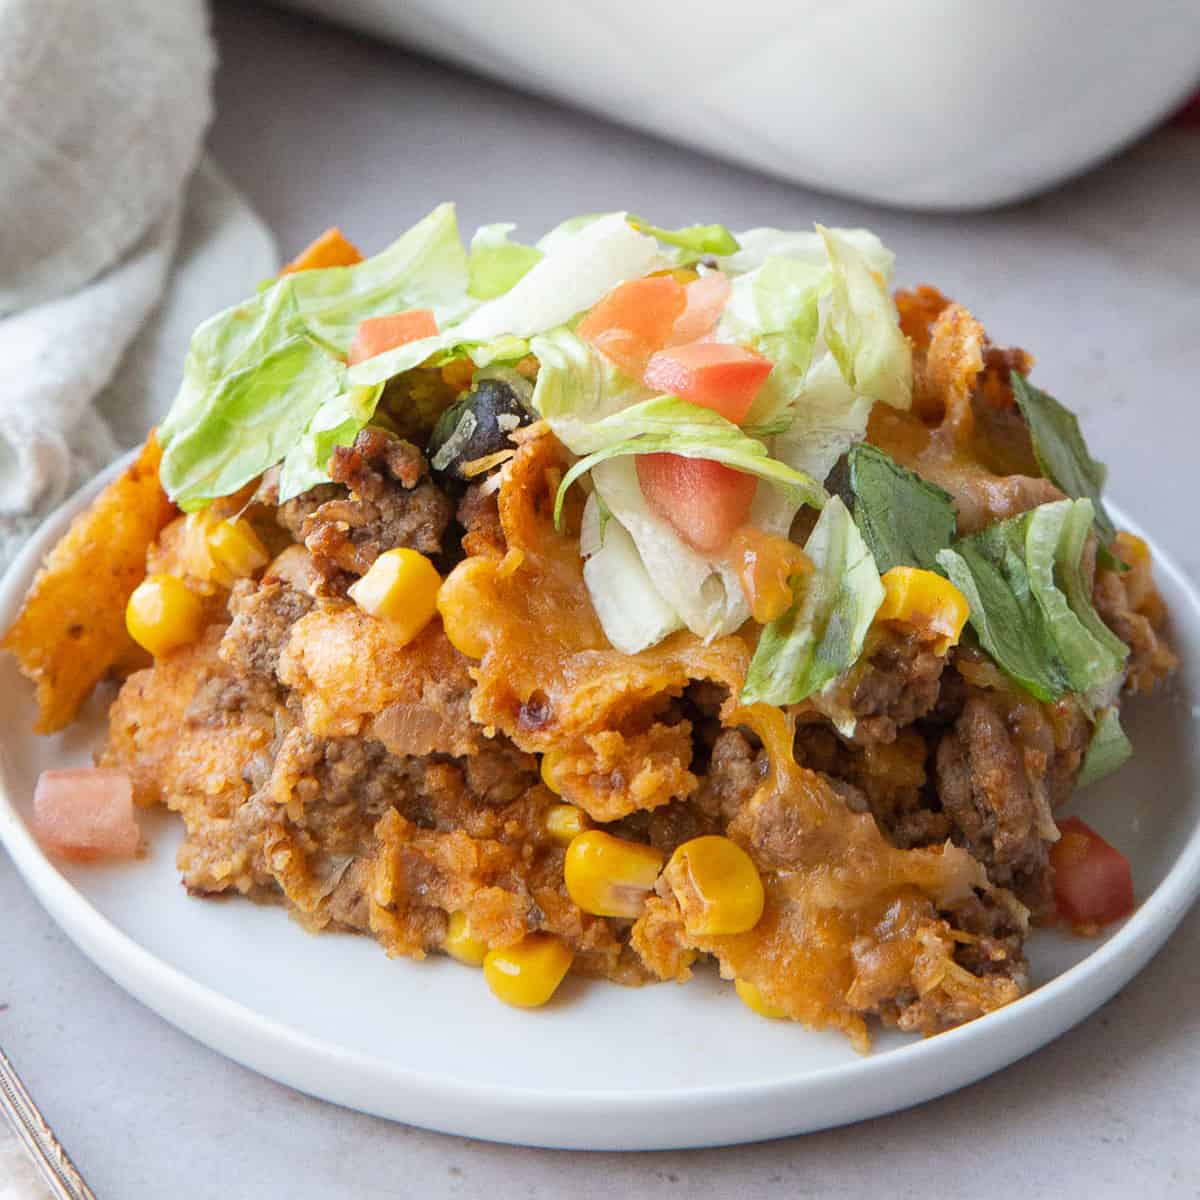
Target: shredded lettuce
822 634
904 519
1061 451
1046 637
816 304
668 424
862 330
699 241
257 373
336 423
575 272
496 264
576 387
504 350
827 419
255 416
426 267
266 382
1108 749
566 231
705 593
774 309
631 609
1093 654
806 245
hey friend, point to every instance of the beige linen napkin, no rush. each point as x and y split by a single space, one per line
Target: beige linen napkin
114 245
103 213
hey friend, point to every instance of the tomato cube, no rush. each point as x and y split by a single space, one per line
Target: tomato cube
705 502
713 375
634 320
1093 884
85 813
706 299
376 335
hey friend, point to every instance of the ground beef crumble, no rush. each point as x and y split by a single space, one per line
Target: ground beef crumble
984 788
381 498
262 620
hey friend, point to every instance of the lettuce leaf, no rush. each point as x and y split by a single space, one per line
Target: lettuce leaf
426 267
826 420
904 519
862 330
575 272
576 387
699 241
816 305
807 246
1093 655
256 415
336 423
705 592
585 399
668 424
774 309
257 373
1046 637
495 264
822 634
1108 749
1061 451
566 231
631 609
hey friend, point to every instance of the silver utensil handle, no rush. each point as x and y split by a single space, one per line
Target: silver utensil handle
53 1162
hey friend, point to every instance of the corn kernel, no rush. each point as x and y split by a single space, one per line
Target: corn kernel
754 1000
236 550
717 886
609 877
163 613
925 602
461 944
564 822
528 974
401 588
458 606
549 764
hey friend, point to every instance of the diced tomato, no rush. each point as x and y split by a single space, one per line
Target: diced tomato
712 374
706 299
1093 884
377 334
85 813
331 249
634 320
705 501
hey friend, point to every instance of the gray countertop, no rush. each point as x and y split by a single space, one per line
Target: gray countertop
1100 279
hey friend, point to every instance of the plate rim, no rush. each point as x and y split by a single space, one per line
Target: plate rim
515 1114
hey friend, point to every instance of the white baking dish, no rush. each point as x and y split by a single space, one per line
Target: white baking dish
937 104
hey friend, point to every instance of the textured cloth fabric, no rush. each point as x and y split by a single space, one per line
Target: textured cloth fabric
103 213
114 245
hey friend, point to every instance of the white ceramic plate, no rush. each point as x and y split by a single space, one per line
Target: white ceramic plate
602 1066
